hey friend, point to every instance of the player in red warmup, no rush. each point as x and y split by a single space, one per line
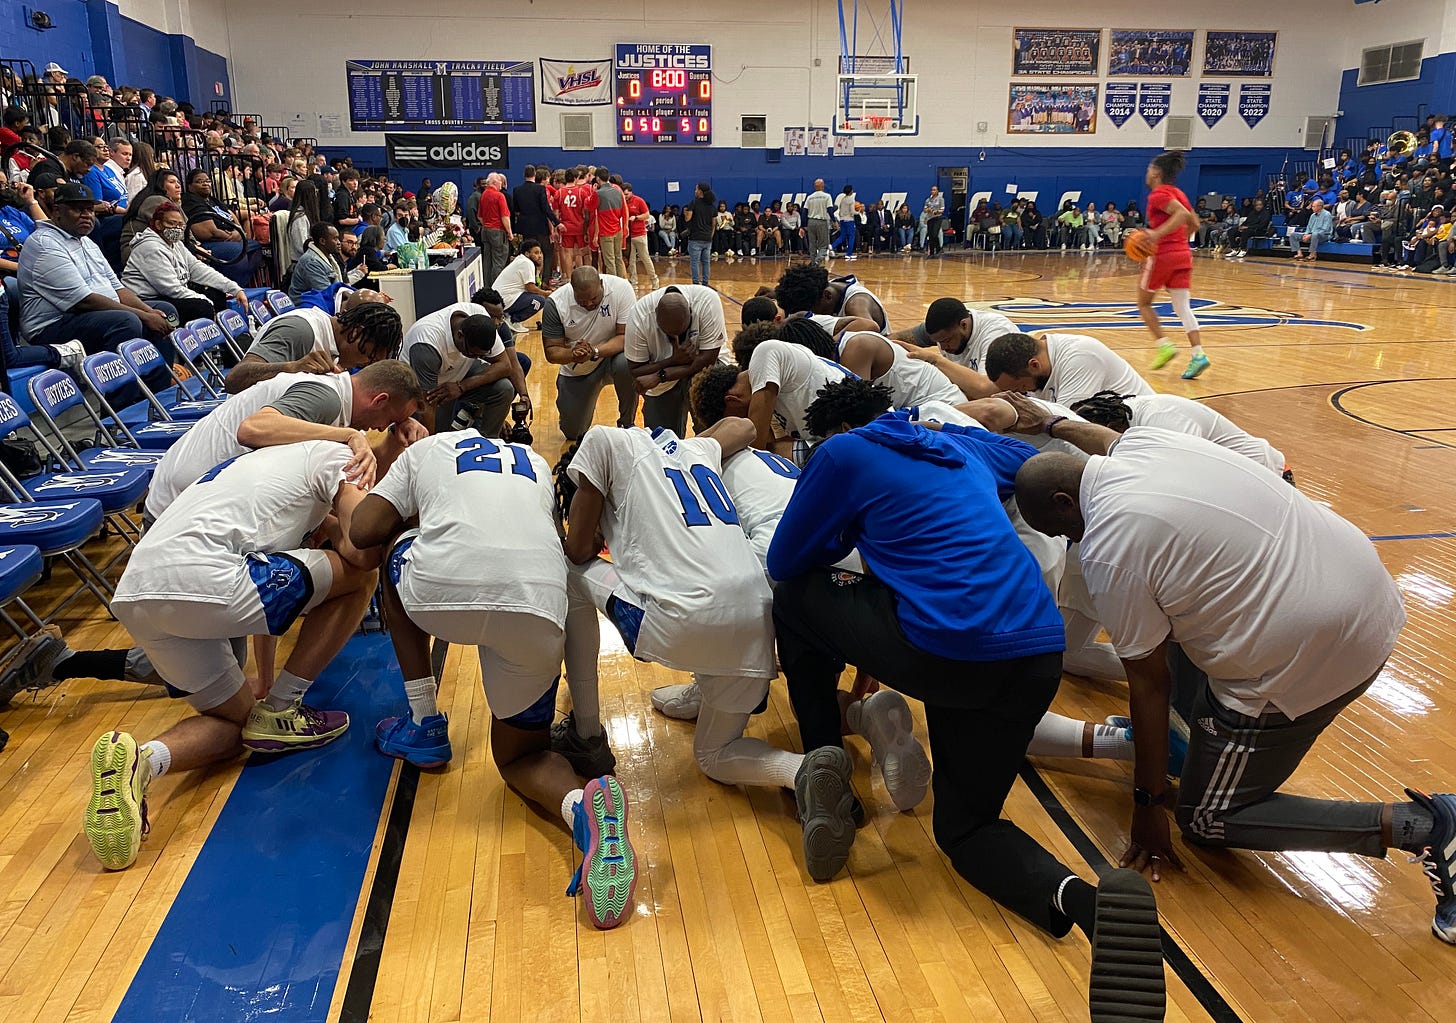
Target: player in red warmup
573 221
1171 220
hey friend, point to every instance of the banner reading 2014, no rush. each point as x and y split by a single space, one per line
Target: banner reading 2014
1121 102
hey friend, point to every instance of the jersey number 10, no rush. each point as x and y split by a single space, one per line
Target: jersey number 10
714 495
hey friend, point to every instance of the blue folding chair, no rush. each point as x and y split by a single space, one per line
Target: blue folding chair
235 325
211 336
279 302
261 312
199 355
106 373
173 403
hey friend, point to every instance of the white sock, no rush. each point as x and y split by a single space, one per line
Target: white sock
287 688
421 695
568 806
784 766
1197 350
1111 743
159 757
1056 736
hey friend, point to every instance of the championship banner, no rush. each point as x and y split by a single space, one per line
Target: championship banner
576 83
1213 102
1253 103
1121 101
459 151
1154 98
795 143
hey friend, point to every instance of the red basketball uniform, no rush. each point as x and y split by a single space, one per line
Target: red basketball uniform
1171 266
573 217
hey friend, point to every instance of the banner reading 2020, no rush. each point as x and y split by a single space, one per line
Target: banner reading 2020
1213 102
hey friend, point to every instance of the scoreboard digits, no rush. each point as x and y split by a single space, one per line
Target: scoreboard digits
664 94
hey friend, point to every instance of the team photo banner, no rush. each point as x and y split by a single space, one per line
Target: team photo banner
1052 110
454 150
1239 54
1150 53
576 83
1066 52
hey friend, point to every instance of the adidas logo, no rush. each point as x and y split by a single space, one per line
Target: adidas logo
1208 726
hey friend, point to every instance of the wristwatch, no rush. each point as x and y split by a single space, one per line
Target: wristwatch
662 375
1142 797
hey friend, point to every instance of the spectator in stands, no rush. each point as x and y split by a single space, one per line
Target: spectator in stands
218 231
161 267
20 160
68 291
667 230
347 258
1320 230
1033 226
143 166
106 183
1092 231
303 214
120 161
320 264
934 213
283 198
1071 225
980 221
345 199
745 231
770 228
370 215
1258 224
371 255
1109 221
14 120
495 226
791 228
472 210
19 213
904 228
722 230
163 186
398 233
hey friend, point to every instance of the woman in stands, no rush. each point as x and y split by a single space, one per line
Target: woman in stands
1171 221
163 186
19 212
143 167
302 215
161 267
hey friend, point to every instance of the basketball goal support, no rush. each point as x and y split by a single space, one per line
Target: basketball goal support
876 92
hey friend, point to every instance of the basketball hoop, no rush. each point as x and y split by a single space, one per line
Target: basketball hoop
878 126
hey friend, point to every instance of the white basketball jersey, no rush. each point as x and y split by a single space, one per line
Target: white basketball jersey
985 328
1182 415
799 374
265 501
911 382
214 438
675 540
856 288
488 538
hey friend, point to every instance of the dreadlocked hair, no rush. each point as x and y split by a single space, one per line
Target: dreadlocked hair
851 401
374 327
805 332
708 397
1106 408
565 486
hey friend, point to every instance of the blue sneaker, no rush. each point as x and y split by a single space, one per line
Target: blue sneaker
608 864
1177 740
1438 860
426 744
1196 365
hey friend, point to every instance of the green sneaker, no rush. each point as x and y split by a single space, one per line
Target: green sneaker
298 727
608 868
1196 365
116 817
1167 352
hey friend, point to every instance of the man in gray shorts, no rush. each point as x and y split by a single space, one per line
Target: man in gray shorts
816 221
584 329
309 340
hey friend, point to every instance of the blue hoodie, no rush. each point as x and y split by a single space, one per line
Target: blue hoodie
924 509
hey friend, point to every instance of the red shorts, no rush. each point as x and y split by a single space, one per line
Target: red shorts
572 241
1163 271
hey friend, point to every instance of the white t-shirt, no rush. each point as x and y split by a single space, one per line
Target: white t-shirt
1082 366
844 206
266 501
1277 599
595 326
985 328
481 503
676 542
214 438
511 282
799 373
645 343
852 288
433 331
911 381
1181 415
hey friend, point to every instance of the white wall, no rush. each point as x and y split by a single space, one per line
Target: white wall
1400 21
204 20
288 58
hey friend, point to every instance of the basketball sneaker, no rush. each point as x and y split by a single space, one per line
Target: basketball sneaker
681 701
825 802
1127 980
116 817
1196 365
426 744
884 719
608 868
1177 740
1167 352
1438 860
590 758
299 727
33 663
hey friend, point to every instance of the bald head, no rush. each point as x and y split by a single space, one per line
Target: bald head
674 314
1049 493
586 287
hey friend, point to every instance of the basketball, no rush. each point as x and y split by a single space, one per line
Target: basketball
1138 245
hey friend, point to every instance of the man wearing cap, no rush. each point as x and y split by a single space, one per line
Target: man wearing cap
68 291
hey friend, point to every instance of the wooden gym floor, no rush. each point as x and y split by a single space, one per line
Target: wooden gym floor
333 885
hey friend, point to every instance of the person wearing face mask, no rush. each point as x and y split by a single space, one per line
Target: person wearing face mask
160 266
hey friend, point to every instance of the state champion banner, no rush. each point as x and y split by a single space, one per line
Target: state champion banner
576 83
1213 102
1254 102
1154 98
1121 102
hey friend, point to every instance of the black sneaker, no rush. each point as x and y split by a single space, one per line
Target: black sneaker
1127 980
590 758
1438 860
32 663
826 811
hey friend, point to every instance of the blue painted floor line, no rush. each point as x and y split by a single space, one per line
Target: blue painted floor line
259 928
1415 536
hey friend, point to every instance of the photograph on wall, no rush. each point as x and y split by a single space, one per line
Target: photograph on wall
1067 52
795 142
1052 110
1150 53
1239 54
818 142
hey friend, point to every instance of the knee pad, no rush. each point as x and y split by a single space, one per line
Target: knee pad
1183 306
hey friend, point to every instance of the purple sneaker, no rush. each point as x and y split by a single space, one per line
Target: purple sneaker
298 727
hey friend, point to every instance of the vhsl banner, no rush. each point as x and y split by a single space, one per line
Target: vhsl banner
1253 103
576 83
1120 100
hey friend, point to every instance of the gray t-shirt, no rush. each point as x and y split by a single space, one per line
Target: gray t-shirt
425 361
551 325
286 339
816 205
311 402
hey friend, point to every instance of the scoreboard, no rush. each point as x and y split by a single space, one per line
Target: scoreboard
664 94
430 95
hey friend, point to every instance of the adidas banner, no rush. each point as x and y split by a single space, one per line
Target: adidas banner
576 83
464 151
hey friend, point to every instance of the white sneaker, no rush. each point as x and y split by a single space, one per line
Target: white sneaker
681 702
884 719
72 354
520 328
